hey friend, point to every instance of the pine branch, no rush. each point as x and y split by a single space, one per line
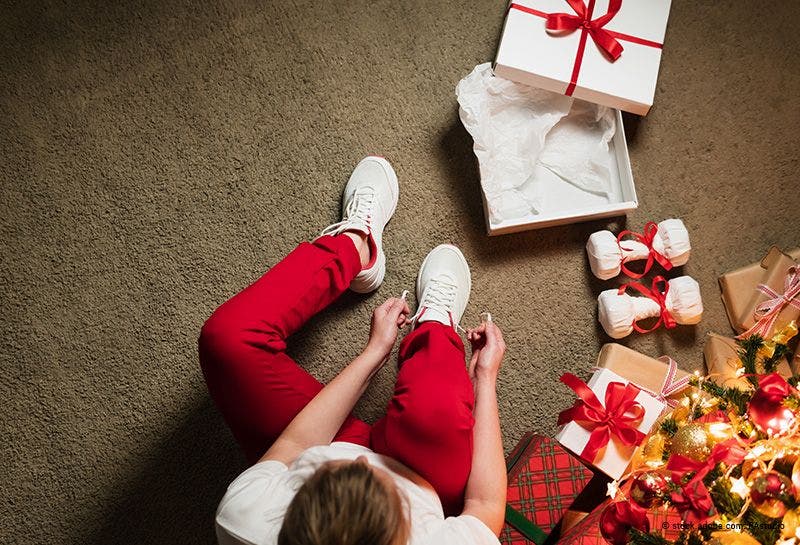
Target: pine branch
669 427
638 537
724 500
771 363
766 530
748 354
730 396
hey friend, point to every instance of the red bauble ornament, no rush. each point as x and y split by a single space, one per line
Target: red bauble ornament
770 492
648 489
766 408
617 520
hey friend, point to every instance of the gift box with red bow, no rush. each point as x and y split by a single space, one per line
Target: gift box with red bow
608 422
602 51
543 481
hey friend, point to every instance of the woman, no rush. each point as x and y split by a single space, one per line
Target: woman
323 477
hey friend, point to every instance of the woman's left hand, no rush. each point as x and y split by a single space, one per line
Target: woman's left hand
387 320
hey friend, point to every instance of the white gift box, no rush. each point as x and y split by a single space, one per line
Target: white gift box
572 61
568 204
614 459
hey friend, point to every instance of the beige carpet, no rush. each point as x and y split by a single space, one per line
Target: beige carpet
158 156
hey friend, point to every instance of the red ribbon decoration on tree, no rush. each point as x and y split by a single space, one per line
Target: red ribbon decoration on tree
657 294
606 40
693 500
646 237
618 418
728 452
618 519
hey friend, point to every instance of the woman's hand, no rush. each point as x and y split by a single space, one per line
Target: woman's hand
488 348
387 320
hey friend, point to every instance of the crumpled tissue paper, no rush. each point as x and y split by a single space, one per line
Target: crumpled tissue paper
523 135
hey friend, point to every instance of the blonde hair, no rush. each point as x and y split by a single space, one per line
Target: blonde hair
345 504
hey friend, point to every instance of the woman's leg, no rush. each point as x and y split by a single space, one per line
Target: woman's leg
257 387
428 423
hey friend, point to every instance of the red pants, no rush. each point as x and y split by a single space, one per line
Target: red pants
259 389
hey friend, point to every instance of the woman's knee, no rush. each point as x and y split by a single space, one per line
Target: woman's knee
438 414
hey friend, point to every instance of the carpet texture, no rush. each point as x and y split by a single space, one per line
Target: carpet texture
158 156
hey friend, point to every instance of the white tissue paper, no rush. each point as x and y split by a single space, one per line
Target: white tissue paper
530 143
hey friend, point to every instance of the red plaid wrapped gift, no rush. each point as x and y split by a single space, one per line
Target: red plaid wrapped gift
587 531
543 481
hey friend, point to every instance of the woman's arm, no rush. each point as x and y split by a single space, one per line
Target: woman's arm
319 421
485 496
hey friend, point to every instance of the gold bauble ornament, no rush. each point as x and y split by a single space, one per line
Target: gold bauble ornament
791 524
691 441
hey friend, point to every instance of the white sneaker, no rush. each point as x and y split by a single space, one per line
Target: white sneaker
368 202
443 286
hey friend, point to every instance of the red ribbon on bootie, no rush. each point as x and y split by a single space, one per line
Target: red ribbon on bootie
657 294
618 418
606 40
646 237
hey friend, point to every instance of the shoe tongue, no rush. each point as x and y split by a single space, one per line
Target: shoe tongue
433 314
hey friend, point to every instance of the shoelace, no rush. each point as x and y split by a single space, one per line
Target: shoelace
358 214
440 294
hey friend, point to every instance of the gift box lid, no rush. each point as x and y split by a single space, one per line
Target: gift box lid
602 51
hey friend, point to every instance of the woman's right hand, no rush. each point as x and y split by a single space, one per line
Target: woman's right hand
387 320
488 348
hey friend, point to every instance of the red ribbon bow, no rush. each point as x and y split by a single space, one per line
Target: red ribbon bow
606 40
594 27
646 237
657 292
693 500
619 417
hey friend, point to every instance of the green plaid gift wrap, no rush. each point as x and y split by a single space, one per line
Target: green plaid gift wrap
543 481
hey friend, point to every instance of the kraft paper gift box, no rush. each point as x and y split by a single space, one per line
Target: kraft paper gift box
657 376
722 361
603 51
778 266
739 287
614 458
543 481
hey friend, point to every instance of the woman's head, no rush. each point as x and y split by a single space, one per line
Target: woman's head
346 503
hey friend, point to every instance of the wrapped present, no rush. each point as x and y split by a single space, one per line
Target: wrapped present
776 301
543 481
658 377
587 530
722 361
604 51
739 295
606 433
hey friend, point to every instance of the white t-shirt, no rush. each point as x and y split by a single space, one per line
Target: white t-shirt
251 512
